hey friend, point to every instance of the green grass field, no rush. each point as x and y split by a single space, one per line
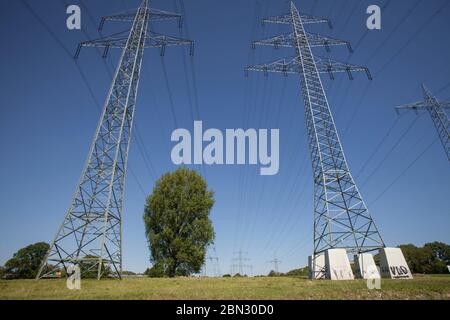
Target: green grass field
422 287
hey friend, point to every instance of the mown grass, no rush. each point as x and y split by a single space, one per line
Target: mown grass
422 287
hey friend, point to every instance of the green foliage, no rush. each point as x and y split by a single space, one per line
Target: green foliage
89 268
128 273
432 258
301 272
156 271
2 272
441 251
227 275
25 263
376 259
178 228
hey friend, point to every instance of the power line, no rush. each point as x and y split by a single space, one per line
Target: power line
414 35
378 147
443 88
391 150
397 178
169 93
366 90
396 27
144 153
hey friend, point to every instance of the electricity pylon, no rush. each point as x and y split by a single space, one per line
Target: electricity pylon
213 262
341 218
438 115
240 265
275 263
91 233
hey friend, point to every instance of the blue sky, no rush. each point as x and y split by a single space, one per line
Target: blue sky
48 118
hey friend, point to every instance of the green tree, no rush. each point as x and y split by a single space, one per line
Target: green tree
440 256
414 257
440 250
89 268
177 223
155 271
272 273
25 263
431 258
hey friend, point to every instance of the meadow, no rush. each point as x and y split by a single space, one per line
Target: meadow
283 288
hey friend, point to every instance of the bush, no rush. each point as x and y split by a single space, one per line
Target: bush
301 272
275 274
156 271
432 258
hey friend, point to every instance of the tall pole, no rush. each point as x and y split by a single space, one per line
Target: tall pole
91 233
341 218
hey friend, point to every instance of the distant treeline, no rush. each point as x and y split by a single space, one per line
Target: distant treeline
432 258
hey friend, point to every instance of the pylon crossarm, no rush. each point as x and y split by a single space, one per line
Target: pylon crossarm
315 40
293 65
283 19
331 66
282 40
162 41
419 105
160 15
119 40
287 19
411 106
279 66
153 15
445 104
123 16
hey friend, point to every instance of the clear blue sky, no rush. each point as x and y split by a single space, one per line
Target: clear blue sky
48 118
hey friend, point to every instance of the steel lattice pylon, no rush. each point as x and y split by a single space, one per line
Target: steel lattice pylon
437 113
91 233
341 218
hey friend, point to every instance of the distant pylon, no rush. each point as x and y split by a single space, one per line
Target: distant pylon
239 263
436 109
275 263
341 218
91 233
211 266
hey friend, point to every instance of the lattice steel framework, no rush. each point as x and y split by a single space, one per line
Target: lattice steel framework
91 233
341 218
437 113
